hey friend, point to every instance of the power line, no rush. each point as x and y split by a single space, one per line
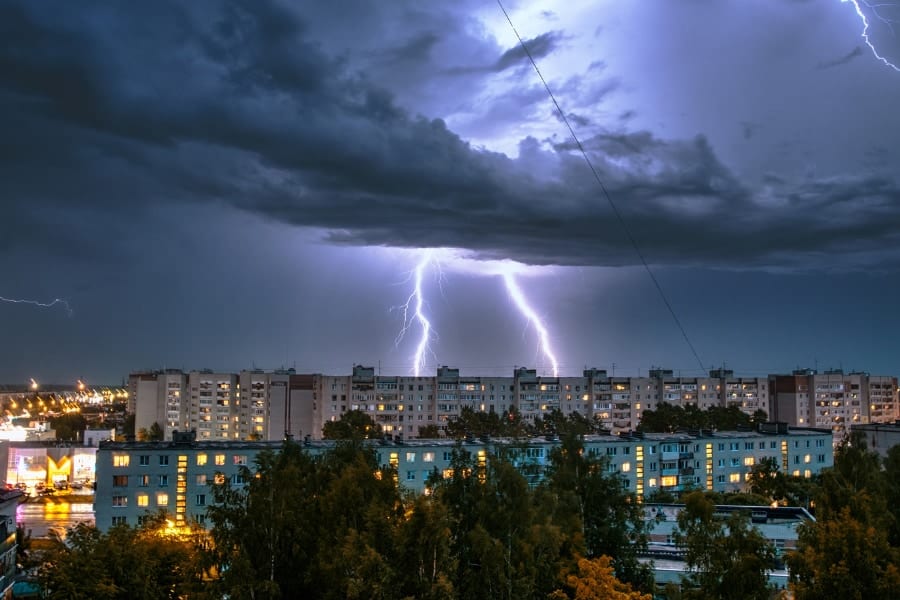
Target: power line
609 199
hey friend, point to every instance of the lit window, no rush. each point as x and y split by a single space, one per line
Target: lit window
220 459
143 500
410 457
734 478
669 480
240 459
219 478
428 457
748 461
807 459
201 460
162 499
626 467
121 460
651 482
201 479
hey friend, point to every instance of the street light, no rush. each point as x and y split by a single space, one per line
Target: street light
34 384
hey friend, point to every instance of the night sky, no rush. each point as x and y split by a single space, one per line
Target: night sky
236 185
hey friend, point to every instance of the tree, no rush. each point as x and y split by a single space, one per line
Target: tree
847 551
429 432
727 558
155 433
353 425
424 545
843 557
265 535
69 427
128 426
610 518
766 479
595 580
668 418
123 563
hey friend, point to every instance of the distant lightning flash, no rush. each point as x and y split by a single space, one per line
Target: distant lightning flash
55 301
518 297
865 31
415 304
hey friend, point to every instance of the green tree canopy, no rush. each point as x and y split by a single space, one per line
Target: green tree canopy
727 556
123 563
353 425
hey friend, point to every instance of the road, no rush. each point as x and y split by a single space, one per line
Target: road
40 517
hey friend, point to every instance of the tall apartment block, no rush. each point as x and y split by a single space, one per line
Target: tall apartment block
269 405
834 399
224 406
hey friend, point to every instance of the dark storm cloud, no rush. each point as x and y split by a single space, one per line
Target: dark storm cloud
843 60
119 111
538 47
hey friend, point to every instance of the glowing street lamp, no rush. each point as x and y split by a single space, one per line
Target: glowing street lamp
34 384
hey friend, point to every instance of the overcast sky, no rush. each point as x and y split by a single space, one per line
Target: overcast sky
235 185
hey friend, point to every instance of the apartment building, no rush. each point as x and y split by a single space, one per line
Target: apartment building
270 405
224 406
136 477
834 399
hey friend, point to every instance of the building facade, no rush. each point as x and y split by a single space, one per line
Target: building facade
834 399
269 405
223 406
134 478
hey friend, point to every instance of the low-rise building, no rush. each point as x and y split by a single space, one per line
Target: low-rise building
778 525
134 478
880 437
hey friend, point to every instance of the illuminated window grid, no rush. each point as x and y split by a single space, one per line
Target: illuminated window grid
639 472
181 490
784 456
709 466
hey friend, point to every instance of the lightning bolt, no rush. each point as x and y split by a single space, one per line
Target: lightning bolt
414 312
865 31
55 301
515 292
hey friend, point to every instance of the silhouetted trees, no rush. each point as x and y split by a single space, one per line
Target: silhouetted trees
669 418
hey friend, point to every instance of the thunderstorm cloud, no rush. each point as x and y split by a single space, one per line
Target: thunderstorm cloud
117 112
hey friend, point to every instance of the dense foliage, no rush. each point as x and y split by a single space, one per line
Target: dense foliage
853 548
668 418
338 525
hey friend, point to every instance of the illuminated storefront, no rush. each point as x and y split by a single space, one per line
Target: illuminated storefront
33 463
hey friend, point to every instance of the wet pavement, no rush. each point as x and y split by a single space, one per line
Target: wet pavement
40 516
